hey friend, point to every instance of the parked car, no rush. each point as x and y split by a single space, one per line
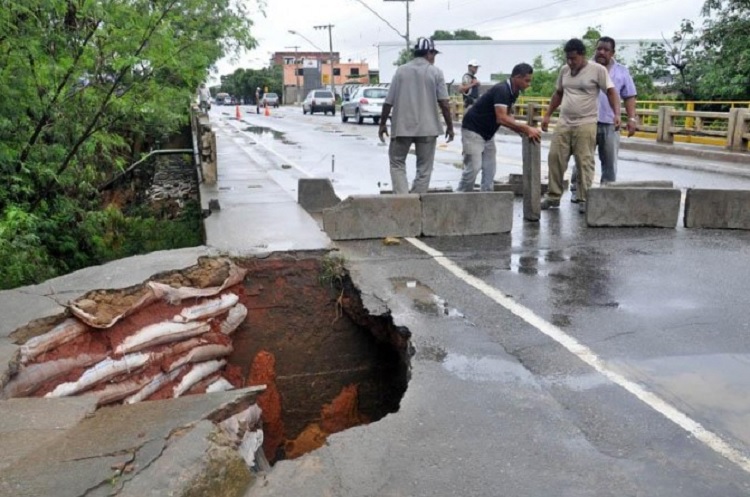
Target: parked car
319 100
270 99
365 102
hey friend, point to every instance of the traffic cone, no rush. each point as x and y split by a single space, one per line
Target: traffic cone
267 112
237 112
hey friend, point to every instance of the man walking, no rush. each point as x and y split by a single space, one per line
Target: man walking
607 136
416 90
470 85
577 94
481 122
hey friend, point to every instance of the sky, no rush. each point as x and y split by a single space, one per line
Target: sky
359 25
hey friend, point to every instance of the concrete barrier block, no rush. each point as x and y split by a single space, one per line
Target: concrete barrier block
639 184
374 216
316 194
652 207
723 209
475 213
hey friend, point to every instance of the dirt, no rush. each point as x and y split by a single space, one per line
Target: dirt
328 365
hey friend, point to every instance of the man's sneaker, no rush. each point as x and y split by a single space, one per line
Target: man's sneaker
549 204
574 196
582 207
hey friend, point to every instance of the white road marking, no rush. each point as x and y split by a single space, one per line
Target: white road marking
707 437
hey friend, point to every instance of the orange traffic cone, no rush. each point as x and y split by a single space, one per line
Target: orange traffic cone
267 112
237 113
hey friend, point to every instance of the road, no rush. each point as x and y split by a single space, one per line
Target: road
554 360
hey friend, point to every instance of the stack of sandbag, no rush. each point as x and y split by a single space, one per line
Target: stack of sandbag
124 356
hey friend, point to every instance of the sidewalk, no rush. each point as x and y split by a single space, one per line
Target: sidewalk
255 214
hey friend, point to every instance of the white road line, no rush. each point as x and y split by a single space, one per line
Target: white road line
709 438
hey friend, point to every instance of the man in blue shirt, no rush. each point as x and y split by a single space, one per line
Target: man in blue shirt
481 122
607 136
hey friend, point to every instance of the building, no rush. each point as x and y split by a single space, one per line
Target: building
305 71
496 57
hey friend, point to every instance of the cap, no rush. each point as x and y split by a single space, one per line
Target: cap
474 63
425 45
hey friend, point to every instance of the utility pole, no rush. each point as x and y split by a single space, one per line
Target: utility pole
408 19
329 27
296 72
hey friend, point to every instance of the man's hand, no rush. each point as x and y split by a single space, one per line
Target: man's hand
632 127
534 134
617 122
545 123
449 135
382 131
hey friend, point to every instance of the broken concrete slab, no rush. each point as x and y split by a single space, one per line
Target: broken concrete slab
80 459
474 213
722 209
202 461
26 424
374 216
630 207
316 194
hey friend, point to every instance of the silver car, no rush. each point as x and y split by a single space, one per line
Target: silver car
365 102
319 100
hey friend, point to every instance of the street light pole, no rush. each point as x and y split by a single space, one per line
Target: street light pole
329 27
408 18
296 72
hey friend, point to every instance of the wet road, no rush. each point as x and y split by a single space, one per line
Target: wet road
664 309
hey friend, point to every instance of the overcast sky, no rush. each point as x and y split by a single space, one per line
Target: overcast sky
357 30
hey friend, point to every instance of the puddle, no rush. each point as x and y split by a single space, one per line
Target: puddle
710 387
487 369
264 132
424 299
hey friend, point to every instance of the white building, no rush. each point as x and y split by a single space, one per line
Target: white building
494 56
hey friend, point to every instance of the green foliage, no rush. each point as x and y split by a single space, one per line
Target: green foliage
243 82
404 56
85 88
459 34
543 80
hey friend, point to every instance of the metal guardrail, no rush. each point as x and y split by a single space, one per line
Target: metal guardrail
671 123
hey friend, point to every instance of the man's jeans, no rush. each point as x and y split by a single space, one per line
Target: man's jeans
608 144
478 154
397 151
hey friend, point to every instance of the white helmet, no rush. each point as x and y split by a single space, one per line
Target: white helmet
474 63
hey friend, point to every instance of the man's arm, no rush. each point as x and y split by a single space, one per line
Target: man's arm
504 119
382 128
445 108
467 83
614 103
554 103
630 110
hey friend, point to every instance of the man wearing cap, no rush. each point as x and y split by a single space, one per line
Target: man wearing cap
417 88
470 84
493 109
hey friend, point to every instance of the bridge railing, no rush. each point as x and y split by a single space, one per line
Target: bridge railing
671 123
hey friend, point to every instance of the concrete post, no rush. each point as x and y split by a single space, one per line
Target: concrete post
739 142
731 125
532 172
664 132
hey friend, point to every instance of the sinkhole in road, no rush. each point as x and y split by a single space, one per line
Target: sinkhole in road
328 363
294 322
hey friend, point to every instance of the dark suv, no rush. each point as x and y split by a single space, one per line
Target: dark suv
319 100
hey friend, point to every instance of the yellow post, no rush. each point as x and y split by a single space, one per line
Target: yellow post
689 121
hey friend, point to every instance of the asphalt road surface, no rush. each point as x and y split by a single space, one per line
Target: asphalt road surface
637 338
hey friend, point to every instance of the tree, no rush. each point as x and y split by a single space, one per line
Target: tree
85 87
725 50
